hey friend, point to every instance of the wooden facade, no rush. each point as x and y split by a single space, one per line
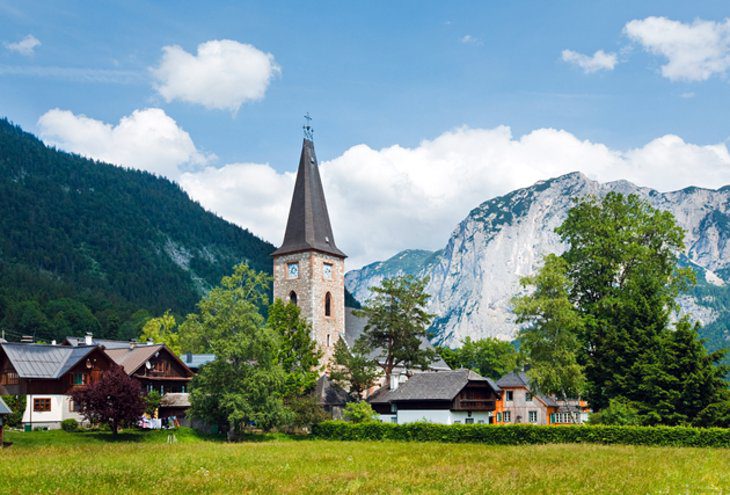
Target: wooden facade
85 372
165 373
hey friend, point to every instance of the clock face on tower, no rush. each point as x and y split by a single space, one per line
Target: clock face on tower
328 271
292 270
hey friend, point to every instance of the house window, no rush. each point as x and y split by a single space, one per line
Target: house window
73 406
394 419
499 417
328 304
528 396
507 416
9 378
293 297
469 421
328 340
510 395
532 416
41 405
78 379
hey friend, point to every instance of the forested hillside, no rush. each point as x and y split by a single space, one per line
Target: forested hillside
86 245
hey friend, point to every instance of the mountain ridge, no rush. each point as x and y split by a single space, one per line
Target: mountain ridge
476 274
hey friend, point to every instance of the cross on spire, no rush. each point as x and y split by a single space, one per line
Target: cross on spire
308 130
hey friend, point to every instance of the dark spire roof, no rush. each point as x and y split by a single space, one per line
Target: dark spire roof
308 227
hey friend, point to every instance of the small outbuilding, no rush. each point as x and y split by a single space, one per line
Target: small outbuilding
4 412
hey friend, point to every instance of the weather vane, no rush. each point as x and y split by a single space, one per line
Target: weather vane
308 131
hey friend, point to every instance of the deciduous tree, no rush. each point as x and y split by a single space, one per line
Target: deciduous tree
116 400
550 337
297 353
489 357
162 330
246 384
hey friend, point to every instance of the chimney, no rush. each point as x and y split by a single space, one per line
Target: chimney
150 342
53 342
132 343
89 339
26 339
397 380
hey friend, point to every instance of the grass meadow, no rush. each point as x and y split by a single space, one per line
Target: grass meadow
86 462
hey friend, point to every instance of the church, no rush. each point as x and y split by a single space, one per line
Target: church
309 268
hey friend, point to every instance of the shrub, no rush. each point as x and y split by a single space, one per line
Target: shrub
619 412
306 411
69 424
675 436
359 412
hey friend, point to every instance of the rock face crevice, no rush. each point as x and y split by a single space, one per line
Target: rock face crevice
473 279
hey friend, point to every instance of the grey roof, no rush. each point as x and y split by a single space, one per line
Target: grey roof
44 361
4 409
355 326
329 393
431 386
107 343
195 361
308 226
521 380
514 379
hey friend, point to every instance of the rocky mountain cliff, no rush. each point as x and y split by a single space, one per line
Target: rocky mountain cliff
473 279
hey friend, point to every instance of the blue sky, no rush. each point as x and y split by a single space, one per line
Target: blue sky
378 74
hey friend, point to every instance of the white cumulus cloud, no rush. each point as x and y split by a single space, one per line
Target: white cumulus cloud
26 46
383 201
693 51
223 74
599 61
148 139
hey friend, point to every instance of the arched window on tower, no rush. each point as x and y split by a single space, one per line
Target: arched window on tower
293 297
328 304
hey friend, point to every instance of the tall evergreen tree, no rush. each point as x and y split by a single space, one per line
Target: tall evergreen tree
397 323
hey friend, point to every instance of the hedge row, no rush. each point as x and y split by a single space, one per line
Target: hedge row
677 436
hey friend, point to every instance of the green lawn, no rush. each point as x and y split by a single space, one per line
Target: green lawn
58 462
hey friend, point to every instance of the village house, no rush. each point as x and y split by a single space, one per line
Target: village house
445 397
47 375
155 367
519 405
4 412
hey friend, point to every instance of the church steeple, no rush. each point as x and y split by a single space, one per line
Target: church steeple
309 269
308 227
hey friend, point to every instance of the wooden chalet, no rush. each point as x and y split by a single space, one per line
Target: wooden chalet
47 375
155 366
446 397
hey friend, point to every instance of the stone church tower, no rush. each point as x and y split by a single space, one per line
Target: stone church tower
309 269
